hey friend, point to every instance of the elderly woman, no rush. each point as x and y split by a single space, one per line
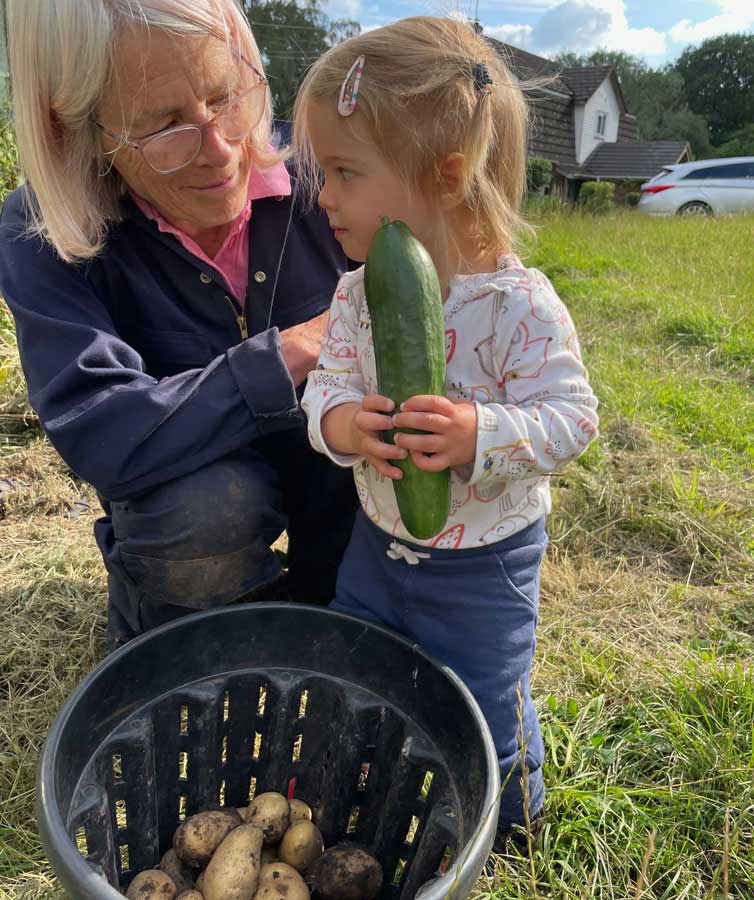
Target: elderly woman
168 291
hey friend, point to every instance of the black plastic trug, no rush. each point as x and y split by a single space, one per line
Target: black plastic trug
388 748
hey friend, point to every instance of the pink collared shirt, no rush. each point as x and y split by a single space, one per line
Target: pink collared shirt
232 259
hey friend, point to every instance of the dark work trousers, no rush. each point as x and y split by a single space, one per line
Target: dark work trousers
474 610
203 540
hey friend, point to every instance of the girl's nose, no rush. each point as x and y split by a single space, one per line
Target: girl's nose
325 198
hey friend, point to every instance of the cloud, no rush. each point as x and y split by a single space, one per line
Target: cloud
583 25
734 15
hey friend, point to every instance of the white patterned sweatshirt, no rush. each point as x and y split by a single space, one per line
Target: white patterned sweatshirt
512 350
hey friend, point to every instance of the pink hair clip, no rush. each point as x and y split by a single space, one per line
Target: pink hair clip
349 92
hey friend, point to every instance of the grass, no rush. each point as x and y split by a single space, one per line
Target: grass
644 675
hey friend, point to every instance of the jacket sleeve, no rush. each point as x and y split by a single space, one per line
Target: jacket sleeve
337 378
117 427
550 415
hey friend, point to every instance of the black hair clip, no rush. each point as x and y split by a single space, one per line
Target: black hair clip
481 75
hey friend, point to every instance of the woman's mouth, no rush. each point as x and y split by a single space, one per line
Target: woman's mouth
219 186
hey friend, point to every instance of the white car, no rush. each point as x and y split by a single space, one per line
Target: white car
702 188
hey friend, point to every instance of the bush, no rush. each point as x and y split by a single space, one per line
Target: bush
9 173
597 197
632 198
538 174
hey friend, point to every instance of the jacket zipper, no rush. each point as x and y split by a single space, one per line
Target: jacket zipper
240 318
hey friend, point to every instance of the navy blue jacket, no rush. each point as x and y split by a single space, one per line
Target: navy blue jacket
137 362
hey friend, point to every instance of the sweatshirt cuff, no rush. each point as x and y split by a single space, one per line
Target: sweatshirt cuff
317 439
487 425
265 382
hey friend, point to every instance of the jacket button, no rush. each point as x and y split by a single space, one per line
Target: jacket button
259 277
204 278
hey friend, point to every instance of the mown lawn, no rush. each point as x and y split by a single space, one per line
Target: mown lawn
645 676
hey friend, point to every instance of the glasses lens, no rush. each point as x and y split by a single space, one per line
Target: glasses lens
167 152
240 117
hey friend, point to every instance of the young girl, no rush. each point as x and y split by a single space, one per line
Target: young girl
421 121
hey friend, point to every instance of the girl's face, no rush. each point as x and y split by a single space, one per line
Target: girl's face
360 187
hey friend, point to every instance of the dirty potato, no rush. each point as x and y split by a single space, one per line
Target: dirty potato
198 837
233 871
300 811
345 872
301 845
272 813
277 881
193 894
182 875
151 885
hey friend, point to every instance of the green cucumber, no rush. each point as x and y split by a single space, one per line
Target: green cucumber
408 331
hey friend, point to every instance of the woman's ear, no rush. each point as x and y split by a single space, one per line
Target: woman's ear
451 180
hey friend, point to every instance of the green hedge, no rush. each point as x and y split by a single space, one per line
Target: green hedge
597 196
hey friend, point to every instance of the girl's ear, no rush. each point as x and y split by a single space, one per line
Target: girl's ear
451 180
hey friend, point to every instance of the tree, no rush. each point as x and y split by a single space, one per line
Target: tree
718 80
655 96
291 35
741 143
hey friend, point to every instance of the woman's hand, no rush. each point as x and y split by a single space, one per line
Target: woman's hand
452 428
300 346
355 428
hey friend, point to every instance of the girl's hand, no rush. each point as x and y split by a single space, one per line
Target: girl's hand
452 428
372 417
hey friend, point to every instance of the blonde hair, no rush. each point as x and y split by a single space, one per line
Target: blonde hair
60 56
420 103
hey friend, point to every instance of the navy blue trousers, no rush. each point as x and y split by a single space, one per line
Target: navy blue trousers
475 611
203 540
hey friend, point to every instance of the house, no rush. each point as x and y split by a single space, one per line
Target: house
582 125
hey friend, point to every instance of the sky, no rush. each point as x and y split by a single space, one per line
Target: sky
657 30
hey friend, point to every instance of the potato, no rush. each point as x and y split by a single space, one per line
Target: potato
200 881
301 845
193 894
198 837
272 813
151 885
233 871
182 875
277 881
345 872
300 811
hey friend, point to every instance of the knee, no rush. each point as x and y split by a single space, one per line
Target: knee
218 508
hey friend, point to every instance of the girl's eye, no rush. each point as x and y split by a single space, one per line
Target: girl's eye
345 174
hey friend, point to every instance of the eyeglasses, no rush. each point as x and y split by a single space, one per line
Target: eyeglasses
175 148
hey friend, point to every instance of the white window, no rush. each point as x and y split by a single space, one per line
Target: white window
601 122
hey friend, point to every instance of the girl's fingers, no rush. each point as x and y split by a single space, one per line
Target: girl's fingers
384 468
430 403
372 421
422 421
372 446
377 403
424 443
435 463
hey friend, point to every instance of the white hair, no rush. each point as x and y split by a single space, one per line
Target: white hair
60 56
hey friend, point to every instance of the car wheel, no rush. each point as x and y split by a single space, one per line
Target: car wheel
695 208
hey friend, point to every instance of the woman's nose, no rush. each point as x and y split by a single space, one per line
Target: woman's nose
215 150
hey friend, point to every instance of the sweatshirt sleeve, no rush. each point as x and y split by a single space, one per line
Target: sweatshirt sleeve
337 378
117 427
549 416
